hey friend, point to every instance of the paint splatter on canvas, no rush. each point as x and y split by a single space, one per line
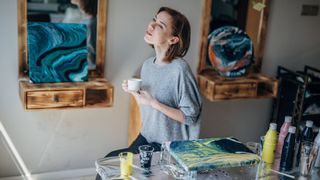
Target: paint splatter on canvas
211 153
230 51
57 52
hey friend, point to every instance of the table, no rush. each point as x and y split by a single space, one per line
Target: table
108 168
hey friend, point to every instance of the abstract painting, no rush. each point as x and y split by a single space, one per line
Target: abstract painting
230 51
211 153
57 52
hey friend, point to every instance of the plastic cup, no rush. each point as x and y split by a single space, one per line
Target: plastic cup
146 152
254 147
305 158
126 159
261 144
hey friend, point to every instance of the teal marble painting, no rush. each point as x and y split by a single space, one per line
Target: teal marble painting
57 52
211 153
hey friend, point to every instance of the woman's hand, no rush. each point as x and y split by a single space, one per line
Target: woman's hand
125 85
143 97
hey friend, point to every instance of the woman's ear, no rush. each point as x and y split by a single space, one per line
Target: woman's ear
174 40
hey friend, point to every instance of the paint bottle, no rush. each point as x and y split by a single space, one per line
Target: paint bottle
287 153
282 135
269 145
317 143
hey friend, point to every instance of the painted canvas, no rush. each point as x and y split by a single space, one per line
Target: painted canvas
57 52
211 153
230 51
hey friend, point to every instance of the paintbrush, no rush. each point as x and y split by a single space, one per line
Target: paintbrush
281 173
312 157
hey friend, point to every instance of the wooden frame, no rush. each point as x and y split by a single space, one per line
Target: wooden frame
256 27
253 85
100 46
97 92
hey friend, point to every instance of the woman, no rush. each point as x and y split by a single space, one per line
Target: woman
169 99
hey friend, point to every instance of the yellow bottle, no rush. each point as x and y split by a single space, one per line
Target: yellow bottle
270 143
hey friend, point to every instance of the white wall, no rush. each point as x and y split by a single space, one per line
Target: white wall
53 140
293 40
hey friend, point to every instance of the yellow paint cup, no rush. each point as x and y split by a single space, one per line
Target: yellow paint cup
126 164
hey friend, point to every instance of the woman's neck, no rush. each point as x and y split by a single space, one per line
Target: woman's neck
160 55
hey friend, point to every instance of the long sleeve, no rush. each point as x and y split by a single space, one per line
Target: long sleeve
189 96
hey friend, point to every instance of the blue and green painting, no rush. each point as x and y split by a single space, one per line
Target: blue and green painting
212 153
57 52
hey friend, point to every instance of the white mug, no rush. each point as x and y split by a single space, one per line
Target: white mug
134 84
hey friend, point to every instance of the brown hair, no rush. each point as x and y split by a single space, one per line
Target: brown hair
89 6
180 28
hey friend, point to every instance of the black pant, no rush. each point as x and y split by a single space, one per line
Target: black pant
134 148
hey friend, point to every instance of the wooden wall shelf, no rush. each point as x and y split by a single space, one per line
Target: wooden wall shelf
96 92
216 88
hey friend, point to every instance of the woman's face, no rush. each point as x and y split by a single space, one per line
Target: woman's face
159 30
75 2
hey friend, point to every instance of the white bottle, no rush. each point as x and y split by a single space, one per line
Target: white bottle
317 142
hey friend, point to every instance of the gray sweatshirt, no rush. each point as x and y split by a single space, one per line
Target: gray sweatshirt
173 85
